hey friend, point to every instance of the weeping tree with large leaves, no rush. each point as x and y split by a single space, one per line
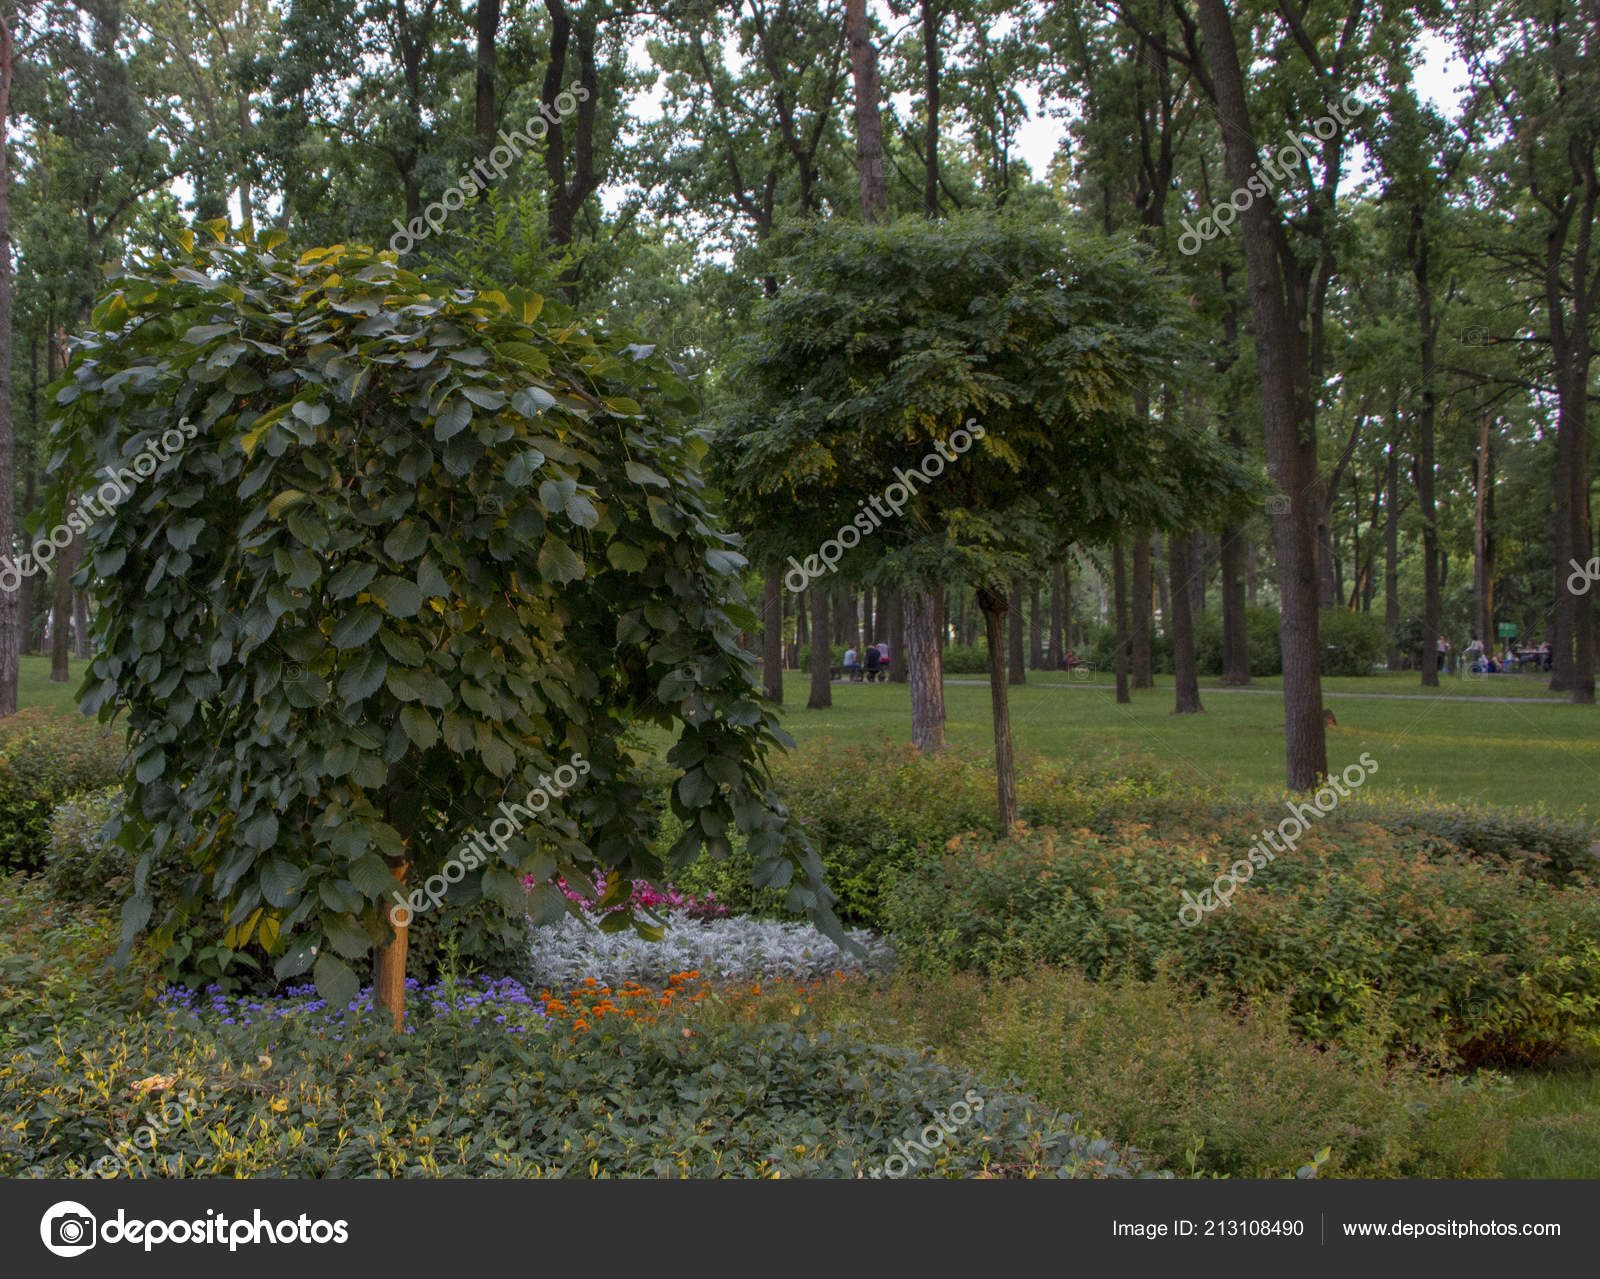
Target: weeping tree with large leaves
886 343
388 556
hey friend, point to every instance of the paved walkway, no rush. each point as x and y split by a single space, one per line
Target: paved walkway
1206 691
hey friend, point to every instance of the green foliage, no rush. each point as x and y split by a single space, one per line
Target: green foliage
1352 643
1177 1073
1031 339
456 1098
83 865
966 659
406 550
1355 926
1261 637
54 972
875 813
45 757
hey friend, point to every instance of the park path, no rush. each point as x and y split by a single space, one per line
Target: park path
1278 692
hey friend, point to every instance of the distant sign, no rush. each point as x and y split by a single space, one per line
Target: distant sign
1506 630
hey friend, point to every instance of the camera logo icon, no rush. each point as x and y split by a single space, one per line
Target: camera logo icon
67 1229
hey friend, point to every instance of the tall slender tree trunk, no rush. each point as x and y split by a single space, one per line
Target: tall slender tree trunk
1289 426
1013 632
486 24
9 626
61 613
930 79
1058 602
925 668
80 625
895 621
25 603
1180 625
1142 587
1391 555
869 125
1235 633
1119 605
1036 632
821 654
1158 553
1482 535
849 625
994 607
772 636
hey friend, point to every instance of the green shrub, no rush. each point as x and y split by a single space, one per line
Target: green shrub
45 757
1354 926
1178 1074
1352 643
1550 848
966 659
54 970
1261 626
82 865
463 1096
873 813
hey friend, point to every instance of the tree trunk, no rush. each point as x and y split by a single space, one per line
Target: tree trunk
1197 574
1058 619
61 612
1235 633
1158 554
869 125
994 608
895 617
925 668
1391 555
821 655
1181 628
930 68
9 645
1013 632
849 625
802 623
1036 632
1283 370
80 625
1142 587
487 24
1482 537
1119 605
772 636
25 603
389 963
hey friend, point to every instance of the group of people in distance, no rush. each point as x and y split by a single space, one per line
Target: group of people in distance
871 664
1483 662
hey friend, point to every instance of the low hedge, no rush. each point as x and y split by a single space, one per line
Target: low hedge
1357 927
46 757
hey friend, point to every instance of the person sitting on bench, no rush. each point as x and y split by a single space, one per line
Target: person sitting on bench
874 660
852 667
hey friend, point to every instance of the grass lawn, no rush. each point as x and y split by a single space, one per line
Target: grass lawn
35 689
1501 753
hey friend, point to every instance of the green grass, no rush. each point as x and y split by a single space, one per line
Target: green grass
35 689
1498 753
1555 1122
